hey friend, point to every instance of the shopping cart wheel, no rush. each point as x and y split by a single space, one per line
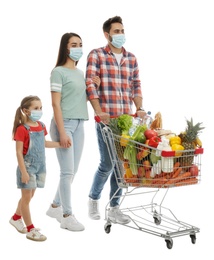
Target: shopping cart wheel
193 238
169 243
157 218
107 228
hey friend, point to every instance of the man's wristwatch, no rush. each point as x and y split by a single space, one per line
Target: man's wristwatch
140 109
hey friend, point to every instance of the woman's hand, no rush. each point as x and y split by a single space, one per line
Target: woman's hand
96 80
65 141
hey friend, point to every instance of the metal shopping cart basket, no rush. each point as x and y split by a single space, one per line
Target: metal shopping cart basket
152 218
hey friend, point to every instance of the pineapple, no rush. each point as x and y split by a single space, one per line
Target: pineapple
188 139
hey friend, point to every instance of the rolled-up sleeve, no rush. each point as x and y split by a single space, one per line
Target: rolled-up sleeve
137 91
91 71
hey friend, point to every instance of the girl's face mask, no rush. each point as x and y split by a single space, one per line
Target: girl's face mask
35 115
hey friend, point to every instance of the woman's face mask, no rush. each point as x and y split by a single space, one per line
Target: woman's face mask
118 40
75 53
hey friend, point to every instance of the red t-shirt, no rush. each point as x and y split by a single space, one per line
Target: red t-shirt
23 135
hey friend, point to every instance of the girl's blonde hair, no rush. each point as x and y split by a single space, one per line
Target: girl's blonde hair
20 117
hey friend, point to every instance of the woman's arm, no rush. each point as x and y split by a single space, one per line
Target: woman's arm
65 140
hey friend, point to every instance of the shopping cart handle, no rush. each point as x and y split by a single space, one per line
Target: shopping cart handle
97 119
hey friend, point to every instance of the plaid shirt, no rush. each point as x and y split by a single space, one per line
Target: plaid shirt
119 83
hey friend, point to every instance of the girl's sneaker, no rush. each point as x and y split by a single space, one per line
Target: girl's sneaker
35 235
19 225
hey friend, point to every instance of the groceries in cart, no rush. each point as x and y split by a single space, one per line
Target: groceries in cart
155 157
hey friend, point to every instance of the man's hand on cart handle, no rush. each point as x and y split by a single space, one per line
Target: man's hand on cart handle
102 117
141 113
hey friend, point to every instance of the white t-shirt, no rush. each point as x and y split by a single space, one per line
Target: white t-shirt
118 57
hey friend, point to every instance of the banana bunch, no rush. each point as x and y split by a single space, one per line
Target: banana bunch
198 142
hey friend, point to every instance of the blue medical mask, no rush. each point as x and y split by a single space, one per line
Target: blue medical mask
118 40
75 53
35 115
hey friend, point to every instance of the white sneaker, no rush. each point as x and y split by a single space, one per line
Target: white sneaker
116 216
35 235
71 224
93 209
55 213
19 225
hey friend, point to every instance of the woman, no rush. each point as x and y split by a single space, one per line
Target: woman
69 102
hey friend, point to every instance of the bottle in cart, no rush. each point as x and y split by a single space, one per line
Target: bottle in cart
166 162
147 120
136 121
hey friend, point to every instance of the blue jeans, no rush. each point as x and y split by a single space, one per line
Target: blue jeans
105 169
69 159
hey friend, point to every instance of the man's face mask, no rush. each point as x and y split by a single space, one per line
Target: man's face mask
118 40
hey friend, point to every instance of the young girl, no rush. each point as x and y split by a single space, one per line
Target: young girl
29 134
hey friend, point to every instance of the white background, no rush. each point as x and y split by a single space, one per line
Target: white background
173 41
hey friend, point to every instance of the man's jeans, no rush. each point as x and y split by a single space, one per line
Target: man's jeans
105 169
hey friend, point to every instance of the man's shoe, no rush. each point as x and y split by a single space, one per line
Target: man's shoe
19 225
71 223
93 209
116 216
55 213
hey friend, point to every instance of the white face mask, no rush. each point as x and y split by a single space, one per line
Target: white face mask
118 40
75 53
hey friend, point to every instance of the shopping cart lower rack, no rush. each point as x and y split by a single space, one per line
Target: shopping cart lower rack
152 218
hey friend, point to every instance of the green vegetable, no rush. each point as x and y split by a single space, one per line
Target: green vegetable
124 123
138 135
130 154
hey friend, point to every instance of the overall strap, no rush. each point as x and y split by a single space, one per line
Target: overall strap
27 127
41 123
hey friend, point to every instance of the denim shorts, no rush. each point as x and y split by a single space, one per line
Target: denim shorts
37 173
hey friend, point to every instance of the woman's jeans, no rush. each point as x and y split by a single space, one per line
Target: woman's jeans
104 170
69 159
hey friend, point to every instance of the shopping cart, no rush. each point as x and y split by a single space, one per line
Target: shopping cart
152 218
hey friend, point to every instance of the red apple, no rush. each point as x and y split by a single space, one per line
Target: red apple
149 133
194 170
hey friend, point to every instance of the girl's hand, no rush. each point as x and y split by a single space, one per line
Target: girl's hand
68 145
25 178
65 141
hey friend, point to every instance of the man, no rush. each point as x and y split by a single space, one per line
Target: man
118 92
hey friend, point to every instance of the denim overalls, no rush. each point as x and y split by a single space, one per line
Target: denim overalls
34 161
